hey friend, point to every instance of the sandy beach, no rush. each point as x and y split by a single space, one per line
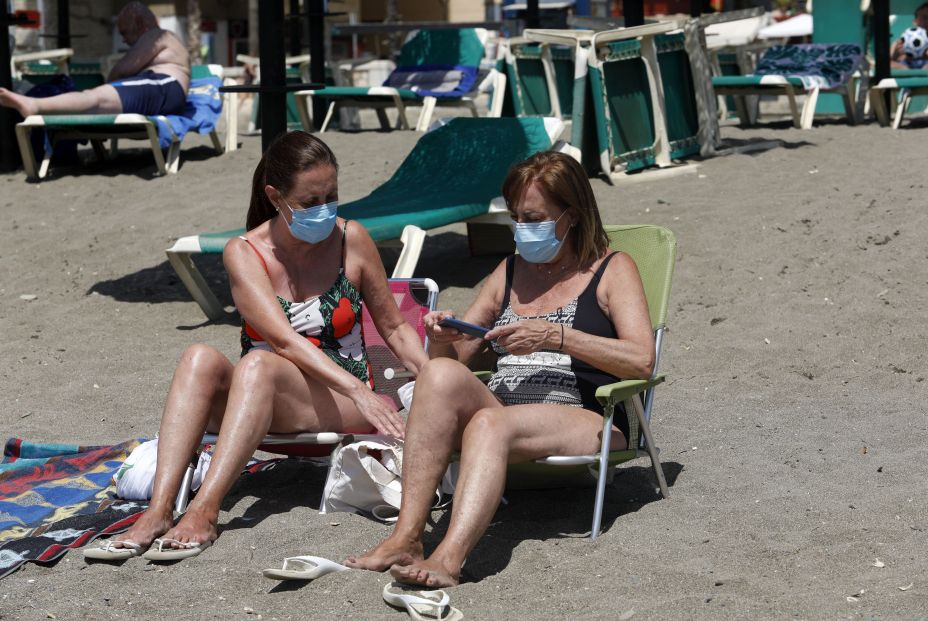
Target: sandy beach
793 428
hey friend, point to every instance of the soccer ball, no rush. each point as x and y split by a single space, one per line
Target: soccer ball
915 42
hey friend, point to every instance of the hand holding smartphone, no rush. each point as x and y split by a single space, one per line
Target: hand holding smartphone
463 327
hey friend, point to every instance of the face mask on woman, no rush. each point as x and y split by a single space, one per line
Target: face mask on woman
313 224
537 242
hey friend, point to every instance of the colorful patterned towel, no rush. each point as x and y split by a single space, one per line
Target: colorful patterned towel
56 497
825 65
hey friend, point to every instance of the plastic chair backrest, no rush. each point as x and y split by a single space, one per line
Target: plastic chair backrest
415 297
654 250
442 47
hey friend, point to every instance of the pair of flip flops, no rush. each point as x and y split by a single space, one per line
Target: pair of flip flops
162 549
421 605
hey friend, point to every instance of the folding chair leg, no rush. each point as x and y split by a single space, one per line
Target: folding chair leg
850 105
47 158
602 475
901 108
183 494
425 116
25 150
808 109
412 239
196 284
217 143
793 108
384 121
328 116
99 150
401 121
741 109
649 440
878 106
156 149
173 160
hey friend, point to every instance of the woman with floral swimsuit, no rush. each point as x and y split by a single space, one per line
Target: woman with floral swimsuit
298 278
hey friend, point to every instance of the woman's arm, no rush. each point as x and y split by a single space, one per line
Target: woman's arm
257 303
631 356
400 337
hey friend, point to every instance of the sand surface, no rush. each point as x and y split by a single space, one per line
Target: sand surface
793 427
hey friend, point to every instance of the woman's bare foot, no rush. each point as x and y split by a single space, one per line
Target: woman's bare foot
431 572
389 553
195 527
24 105
146 529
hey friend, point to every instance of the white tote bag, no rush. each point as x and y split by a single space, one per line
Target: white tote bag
358 482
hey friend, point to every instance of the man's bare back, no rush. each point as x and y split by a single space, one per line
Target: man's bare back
156 50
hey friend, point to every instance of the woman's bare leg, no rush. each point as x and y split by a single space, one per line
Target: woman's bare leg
433 432
493 438
267 393
196 398
103 99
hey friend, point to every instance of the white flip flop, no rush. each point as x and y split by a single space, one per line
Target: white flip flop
304 568
421 605
106 552
161 549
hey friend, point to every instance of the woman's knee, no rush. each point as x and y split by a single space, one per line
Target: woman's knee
488 426
205 363
256 369
442 373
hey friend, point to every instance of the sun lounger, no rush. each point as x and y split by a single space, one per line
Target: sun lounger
162 132
454 174
806 69
902 88
436 68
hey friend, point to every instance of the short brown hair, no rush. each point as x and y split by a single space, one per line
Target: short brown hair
562 181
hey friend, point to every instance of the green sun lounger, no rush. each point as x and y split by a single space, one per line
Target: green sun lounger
436 68
453 174
540 73
101 127
903 87
803 69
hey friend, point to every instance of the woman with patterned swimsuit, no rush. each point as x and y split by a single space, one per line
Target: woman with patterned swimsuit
566 316
298 279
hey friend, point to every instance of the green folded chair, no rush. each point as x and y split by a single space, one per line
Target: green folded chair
540 74
643 100
654 250
453 174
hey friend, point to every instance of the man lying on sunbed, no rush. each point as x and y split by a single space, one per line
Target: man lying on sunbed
152 78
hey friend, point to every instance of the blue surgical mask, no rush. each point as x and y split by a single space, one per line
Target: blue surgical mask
537 242
314 224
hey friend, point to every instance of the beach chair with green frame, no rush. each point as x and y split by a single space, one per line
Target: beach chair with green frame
643 99
654 250
435 68
453 174
101 127
540 73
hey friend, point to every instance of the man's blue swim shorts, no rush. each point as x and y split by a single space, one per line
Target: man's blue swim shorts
150 93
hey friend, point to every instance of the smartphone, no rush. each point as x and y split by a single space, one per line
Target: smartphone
464 327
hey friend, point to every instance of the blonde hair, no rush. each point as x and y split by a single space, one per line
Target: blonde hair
563 182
